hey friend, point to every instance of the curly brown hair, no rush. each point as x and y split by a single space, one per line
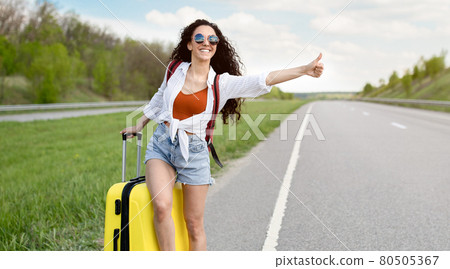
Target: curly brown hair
224 60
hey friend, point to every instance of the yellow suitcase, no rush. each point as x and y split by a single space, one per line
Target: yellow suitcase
129 214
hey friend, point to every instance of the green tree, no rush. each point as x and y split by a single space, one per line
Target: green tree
12 17
135 83
56 51
53 72
7 57
435 65
75 32
139 62
7 63
277 93
416 72
393 79
288 96
368 88
26 53
407 82
43 26
106 81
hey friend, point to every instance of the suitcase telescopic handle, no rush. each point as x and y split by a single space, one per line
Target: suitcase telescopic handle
124 153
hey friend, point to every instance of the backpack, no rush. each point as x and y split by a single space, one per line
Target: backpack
212 123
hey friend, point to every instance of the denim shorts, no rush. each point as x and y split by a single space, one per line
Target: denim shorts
196 171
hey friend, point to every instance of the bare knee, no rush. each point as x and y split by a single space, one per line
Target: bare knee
195 226
162 209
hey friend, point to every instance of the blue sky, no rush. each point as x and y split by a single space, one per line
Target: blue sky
366 42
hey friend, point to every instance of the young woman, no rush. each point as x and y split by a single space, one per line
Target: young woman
183 106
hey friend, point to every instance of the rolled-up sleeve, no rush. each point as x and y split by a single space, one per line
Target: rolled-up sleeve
243 86
153 109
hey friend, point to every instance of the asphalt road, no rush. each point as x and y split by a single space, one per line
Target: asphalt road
52 115
380 180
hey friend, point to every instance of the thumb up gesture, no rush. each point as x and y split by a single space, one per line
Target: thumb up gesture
314 68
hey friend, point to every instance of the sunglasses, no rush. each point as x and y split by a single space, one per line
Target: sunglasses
213 39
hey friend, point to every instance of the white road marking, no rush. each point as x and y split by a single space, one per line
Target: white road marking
398 125
271 241
366 113
280 206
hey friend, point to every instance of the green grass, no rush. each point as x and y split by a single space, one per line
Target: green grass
437 88
428 89
55 175
18 90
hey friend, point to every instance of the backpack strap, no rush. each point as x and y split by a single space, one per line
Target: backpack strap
172 67
212 122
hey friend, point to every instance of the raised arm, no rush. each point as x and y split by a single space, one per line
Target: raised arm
313 69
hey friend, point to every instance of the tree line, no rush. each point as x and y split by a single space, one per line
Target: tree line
59 53
423 69
278 94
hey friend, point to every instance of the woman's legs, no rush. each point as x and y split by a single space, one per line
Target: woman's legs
160 179
194 198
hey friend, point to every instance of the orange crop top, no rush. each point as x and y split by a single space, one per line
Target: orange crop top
187 105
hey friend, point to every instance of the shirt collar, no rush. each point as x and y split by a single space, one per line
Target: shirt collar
184 67
211 74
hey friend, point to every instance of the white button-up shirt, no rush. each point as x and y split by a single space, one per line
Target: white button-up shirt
160 107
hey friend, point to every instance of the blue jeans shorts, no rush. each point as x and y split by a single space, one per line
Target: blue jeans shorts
196 171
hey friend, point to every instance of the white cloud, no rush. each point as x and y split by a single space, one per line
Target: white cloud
381 18
262 46
357 24
267 47
124 28
259 41
357 65
369 40
180 18
345 51
399 19
346 47
299 6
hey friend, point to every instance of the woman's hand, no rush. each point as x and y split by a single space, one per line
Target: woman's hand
314 68
136 129
130 131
